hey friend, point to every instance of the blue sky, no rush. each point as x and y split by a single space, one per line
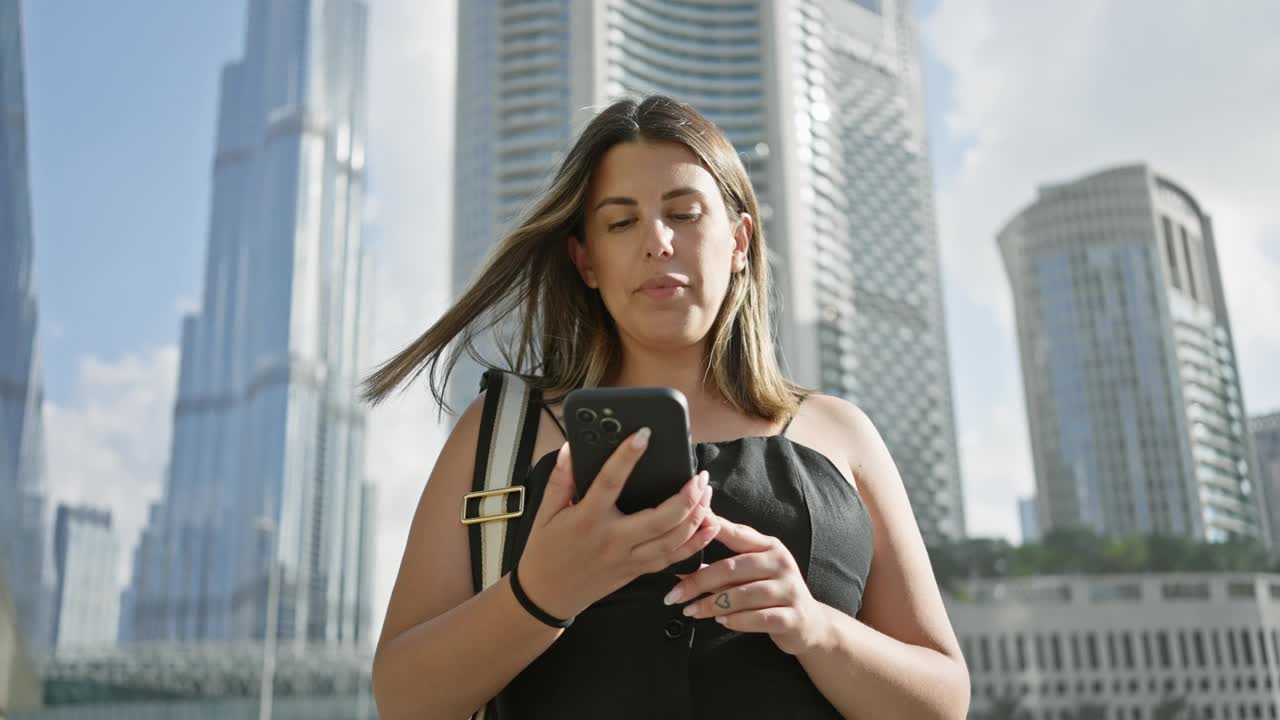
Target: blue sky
120 101
121 105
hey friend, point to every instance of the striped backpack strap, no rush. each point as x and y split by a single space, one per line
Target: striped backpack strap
504 454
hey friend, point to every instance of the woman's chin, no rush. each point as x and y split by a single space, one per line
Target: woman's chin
669 339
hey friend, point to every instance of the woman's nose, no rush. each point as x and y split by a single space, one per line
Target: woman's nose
658 241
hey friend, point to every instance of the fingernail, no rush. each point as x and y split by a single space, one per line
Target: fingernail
673 597
640 439
689 610
706 479
706 496
562 456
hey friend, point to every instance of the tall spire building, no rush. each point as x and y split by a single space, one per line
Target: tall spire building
823 100
266 474
24 543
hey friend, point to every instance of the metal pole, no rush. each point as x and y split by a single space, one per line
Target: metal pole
266 688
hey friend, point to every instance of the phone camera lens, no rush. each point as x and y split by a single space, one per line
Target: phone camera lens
590 436
586 415
611 425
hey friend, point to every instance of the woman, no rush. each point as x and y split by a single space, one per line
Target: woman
643 265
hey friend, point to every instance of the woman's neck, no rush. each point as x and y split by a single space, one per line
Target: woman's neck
684 370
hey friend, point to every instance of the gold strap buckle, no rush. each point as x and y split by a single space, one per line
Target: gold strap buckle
478 518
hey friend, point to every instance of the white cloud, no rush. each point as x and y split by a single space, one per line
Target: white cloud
410 148
997 461
1046 92
109 445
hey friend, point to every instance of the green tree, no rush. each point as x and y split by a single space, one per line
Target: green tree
1090 711
1006 707
1175 708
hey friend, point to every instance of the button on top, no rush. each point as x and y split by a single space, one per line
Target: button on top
674 628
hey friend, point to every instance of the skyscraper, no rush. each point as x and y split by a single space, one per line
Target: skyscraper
1132 389
1266 443
86 606
24 548
823 100
266 473
1027 519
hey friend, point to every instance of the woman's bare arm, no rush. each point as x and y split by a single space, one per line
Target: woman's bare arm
444 650
899 657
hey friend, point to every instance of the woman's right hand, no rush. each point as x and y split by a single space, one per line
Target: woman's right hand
579 553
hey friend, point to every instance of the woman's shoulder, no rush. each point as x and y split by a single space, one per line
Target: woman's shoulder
839 429
834 412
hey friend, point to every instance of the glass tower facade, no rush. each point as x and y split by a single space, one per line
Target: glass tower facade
823 101
1131 383
266 471
1266 443
24 547
86 606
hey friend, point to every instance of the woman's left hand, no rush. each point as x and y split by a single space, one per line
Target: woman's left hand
758 590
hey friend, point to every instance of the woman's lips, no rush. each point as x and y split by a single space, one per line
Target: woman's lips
664 293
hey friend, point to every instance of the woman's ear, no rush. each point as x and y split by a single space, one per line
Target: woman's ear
742 242
578 254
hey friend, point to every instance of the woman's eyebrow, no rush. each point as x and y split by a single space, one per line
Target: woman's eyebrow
617 200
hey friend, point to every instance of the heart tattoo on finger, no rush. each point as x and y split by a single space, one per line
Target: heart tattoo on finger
722 600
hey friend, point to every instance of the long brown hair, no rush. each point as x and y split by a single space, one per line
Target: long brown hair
529 272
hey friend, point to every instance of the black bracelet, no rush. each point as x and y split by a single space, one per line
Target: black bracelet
542 615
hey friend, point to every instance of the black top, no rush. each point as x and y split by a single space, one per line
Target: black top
630 656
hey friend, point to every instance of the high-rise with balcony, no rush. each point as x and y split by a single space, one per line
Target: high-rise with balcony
24 547
1132 388
266 474
823 101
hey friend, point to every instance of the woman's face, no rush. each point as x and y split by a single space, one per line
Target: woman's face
659 245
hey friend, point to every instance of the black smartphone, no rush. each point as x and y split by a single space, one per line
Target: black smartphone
599 419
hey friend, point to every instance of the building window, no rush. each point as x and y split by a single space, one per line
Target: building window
1146 650
984 650
1020 646
1197 642
1040 664
1183 658
1004 653
1055 649
1262 648
1191 267
1091 646
1217 650
1246 648
1111 650
1127 644
1171 251
1231 648
1162 644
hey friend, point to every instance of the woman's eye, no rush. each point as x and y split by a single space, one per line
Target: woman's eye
683 217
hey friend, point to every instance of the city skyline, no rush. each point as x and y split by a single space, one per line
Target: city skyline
823 104
265 496
115 360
